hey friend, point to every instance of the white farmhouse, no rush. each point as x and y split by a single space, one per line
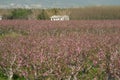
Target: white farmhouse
0 17
59 18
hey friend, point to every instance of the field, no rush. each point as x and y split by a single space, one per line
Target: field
60 50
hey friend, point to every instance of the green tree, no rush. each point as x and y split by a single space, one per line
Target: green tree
20 14
43 15
55 11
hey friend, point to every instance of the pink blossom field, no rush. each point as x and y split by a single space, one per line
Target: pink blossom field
60 50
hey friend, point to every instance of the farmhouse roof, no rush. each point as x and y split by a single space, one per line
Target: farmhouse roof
56 16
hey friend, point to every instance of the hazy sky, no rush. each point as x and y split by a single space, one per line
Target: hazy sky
59 3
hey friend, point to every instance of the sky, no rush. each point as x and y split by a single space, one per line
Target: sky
56 3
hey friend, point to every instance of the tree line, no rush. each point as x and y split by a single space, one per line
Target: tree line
82 13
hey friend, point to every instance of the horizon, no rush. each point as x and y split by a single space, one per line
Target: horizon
56 4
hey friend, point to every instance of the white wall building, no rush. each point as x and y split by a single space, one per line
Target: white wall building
59 18
0 17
